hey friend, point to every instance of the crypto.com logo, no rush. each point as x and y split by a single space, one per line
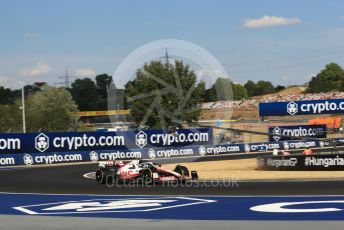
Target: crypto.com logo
203 64
276 133
94 156
141 139
152 154
42 142
292 108
28 159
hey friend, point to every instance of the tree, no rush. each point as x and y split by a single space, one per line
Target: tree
52 109
263 87
329 79
103 82
279 88
239 92
7 96
250 87
221 90
210 94
158 96
11 119
85 94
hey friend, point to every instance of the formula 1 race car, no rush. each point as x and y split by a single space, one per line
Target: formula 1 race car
141 171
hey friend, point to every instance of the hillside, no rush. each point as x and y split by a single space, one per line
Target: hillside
250 112
287 91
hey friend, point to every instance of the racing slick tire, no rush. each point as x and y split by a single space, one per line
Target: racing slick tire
182 170
147 176
100 176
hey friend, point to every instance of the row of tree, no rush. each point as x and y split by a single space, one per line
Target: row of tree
52 109
56 108
89 94
92 95
331 78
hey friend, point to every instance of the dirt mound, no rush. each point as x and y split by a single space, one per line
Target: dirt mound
287 91
251 113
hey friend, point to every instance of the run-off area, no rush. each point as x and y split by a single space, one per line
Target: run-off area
177 207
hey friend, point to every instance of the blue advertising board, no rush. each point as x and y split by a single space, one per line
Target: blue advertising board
186 152
282 133
306 107
149 152
87 141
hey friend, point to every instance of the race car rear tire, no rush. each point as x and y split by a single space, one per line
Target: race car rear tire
100 176
182 170
147 176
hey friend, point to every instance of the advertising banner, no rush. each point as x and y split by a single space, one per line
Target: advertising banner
283 133
306 107
85 141
300 162
155 153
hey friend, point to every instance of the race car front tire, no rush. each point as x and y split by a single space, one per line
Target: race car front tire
182 170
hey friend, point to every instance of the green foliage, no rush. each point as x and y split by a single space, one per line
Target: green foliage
329 79
10 118
250 87
259 88
103 82
52 109
264 87
239 92
279 88
224 90
90 95
7 96
85 93
210 95
154 82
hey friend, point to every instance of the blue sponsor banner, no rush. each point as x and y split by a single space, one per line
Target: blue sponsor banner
153 153
264 146
283 133
88 141
306 107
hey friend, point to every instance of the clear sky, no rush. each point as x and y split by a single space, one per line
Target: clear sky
285 42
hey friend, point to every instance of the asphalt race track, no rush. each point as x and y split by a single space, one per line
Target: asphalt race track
70 180
60 197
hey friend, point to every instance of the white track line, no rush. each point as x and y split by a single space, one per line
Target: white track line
90 175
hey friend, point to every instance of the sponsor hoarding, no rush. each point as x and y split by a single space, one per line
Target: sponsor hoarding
282 133
88 141
153 153
306 107
300 162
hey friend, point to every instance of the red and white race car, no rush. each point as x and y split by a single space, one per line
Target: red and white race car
141 171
